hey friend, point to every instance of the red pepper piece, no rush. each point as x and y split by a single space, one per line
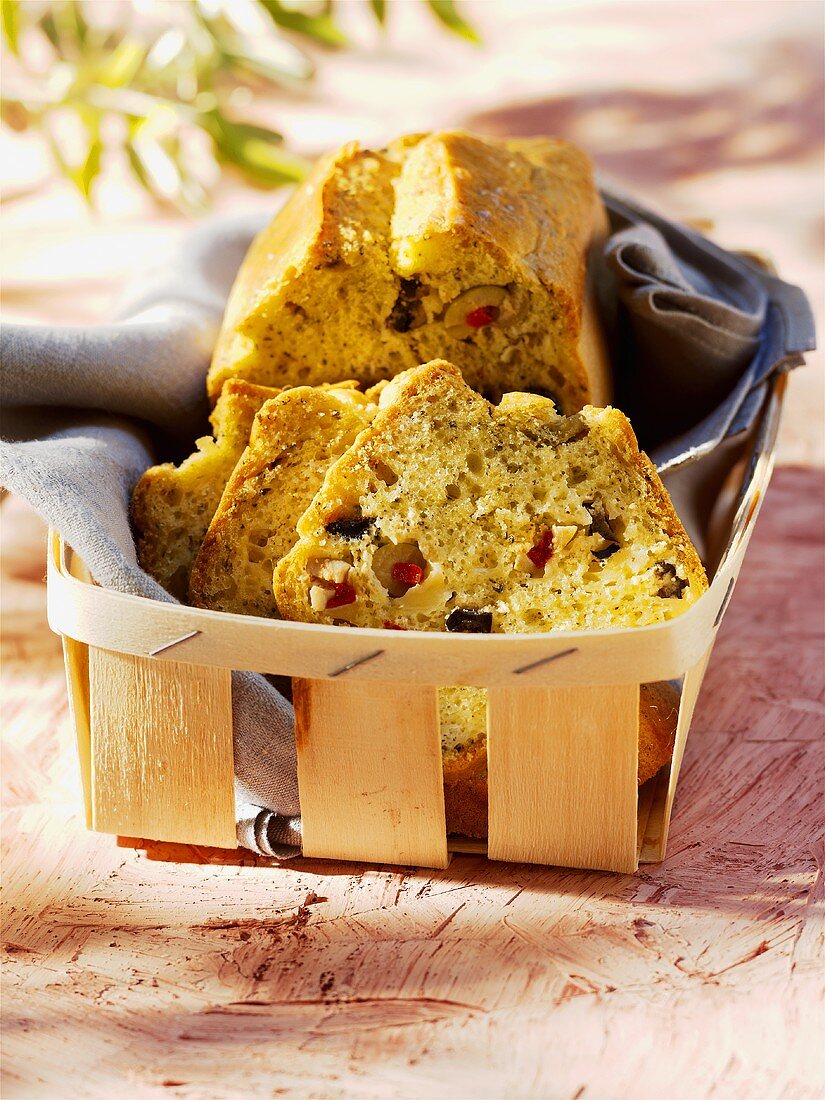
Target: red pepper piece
392 626
542 552
344 593
484 315
407 572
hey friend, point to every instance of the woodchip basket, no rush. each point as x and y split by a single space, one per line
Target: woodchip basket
150 693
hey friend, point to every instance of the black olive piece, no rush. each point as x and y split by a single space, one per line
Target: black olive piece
566 431
600 524
407 311
606 551
674 586
349 528
466 620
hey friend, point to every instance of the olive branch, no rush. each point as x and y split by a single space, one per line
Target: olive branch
171 92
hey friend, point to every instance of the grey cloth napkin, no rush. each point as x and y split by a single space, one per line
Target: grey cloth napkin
701 331
690 342
80 477
85 411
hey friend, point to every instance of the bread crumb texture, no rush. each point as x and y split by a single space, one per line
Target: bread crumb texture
449 513
293 440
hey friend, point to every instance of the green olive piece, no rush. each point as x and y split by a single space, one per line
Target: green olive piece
478 297
390 554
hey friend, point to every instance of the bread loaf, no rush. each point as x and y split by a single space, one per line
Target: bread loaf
443 244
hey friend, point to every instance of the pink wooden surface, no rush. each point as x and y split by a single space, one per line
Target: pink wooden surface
186 972
180 971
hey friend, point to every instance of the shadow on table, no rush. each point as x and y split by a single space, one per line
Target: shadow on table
649 137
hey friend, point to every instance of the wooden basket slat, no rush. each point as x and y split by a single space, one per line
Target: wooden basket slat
162 763
147 628
76 660
370 773
690 693
562 765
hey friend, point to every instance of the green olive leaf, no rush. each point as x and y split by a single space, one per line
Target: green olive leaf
322 28
259 152
89 168
121 65
157 166
447 13
154 89
379 10
10 15
273 59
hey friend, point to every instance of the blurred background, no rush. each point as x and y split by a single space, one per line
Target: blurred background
125 120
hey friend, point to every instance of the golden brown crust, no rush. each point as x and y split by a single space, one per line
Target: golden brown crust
439 213
627 449
658 715
534 204
304 237
465 805
293 440
294 235
468 763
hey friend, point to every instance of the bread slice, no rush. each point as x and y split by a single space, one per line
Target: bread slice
451 514
172 506
464 748
293 440
442 244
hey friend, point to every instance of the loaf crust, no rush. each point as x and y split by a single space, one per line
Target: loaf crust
172 506
357 272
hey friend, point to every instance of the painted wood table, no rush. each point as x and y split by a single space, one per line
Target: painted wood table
175 971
